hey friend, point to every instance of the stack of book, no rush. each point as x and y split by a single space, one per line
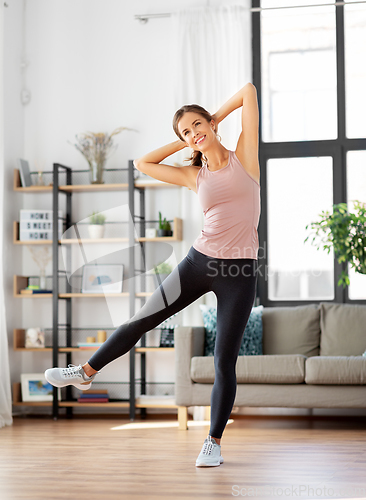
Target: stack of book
89 345
94 396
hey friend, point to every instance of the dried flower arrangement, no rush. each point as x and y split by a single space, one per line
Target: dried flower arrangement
96 148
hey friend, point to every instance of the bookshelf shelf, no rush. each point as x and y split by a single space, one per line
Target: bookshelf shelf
148 349
21 282
177 236
89 188
17 401
110 404
94 188
155 402
90 240
91 295
31 189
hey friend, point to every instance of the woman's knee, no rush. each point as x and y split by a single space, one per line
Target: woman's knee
224 365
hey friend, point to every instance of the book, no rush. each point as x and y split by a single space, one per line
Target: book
93 400
27 291
85 395
89 345
25 177
96 391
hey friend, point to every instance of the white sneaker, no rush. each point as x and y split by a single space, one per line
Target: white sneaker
73 375
210 455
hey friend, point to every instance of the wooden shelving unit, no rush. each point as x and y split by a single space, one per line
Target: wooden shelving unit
148 349
21 282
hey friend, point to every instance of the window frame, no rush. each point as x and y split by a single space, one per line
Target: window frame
336 148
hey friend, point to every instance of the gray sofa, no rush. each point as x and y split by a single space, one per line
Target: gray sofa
312 358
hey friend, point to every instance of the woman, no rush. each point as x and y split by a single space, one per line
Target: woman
223 259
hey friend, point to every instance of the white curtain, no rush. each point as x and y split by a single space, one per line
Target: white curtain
5 393
213 60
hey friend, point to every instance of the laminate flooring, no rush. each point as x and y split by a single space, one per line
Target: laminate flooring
111 459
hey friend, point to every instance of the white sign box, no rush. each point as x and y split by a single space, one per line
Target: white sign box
37 225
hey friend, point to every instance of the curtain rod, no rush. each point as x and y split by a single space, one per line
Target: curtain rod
143 18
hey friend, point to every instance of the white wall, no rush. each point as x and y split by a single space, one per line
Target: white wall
91 66
13 148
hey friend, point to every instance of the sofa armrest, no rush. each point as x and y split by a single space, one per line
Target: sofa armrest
188 342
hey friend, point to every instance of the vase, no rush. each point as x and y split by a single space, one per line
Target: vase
96 169
165 232
96 231
42 279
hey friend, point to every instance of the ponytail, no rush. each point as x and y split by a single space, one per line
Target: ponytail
196 159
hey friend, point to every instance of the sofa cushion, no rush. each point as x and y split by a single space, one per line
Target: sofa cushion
336 370
343 330
251 343
291 330
275 369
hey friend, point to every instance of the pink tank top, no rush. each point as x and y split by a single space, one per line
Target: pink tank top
230 200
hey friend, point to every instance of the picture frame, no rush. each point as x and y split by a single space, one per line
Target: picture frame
35 387
34 338
97 276
24 172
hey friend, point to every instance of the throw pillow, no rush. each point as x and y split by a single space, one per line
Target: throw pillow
251 344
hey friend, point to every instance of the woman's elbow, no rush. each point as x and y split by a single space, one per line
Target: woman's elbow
251 87
137 164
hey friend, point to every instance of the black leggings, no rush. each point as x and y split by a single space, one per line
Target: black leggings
234 283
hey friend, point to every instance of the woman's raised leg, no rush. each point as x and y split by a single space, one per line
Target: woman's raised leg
182 287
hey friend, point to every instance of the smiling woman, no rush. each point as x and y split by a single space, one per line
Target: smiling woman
227 184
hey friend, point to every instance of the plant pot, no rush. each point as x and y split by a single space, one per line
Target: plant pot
165 232
159 278
96 169
96 231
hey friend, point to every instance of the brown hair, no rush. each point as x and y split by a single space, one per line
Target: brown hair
196 158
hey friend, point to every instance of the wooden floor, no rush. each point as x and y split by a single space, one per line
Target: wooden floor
102 459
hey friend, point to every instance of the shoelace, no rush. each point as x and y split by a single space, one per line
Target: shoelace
72 371
208 447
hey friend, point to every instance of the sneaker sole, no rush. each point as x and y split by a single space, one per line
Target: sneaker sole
202 464
82 387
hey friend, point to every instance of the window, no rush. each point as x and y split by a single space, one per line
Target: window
355 57
356 190
299 76
298 190
309 68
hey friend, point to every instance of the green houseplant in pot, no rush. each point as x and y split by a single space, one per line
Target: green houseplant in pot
161 271
346 232
164 227
96 225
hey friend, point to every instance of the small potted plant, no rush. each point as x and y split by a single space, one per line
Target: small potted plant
164 227
96 226
161 271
